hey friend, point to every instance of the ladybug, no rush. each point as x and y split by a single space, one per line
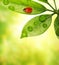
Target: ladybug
28 10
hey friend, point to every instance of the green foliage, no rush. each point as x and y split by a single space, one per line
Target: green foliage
43 1
19 5
37 26
56 26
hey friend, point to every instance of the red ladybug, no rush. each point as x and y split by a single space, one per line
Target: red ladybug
28 10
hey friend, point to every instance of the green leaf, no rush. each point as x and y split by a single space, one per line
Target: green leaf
43 1
36 26
56 26
20 5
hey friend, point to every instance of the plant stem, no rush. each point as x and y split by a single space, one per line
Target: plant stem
54 12
50 10
50 6
55 4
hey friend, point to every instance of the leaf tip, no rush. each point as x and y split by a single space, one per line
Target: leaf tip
24 34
